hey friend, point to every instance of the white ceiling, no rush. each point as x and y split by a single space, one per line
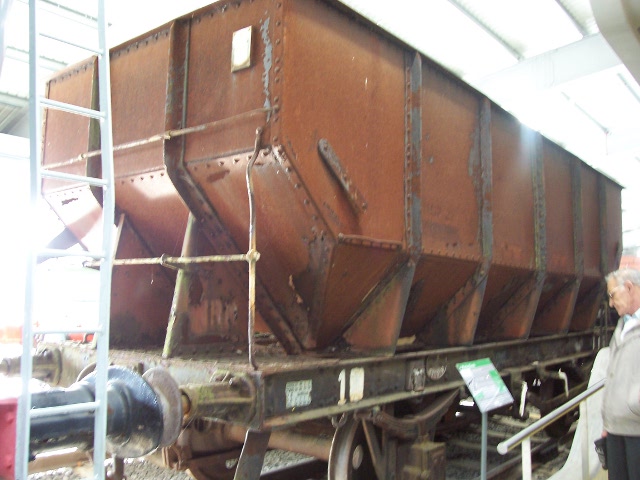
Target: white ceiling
546 61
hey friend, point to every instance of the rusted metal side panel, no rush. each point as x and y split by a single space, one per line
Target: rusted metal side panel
592 287
198 167
392 200
602 227
349 85
611 224
139 108
282 227
517 268
66 135
513 195
563 276
208 166
343 82
321 257
140 296
206 308
154 215
385 306
443 307
66 138
214 92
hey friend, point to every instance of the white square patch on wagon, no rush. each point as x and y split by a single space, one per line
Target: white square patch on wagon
298 393
356 384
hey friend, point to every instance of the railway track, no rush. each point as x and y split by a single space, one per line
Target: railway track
463 452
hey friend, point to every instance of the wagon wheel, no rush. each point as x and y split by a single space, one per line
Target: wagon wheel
351 457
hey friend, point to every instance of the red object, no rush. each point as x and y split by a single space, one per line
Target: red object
8 413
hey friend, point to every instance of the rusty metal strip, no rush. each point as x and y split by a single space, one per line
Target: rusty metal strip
413 153
539 207
175 331
166 135
356 198
576 204
522 305
396 282
569 290
252 253
458 317
486 165
182 262
317 254
602 211
362 241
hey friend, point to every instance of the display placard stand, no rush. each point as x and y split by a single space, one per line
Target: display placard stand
488 391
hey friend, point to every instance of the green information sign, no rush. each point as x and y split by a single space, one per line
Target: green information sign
485 384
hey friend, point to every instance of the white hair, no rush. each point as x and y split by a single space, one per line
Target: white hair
623 275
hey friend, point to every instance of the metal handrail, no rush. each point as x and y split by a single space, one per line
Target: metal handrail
518 438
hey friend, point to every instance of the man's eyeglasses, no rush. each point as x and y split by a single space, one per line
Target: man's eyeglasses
613 291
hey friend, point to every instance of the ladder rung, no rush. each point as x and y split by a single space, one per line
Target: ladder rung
69 107
67 330
52 253
73 44
63 409
99 182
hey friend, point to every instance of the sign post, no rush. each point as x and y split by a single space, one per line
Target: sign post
488 391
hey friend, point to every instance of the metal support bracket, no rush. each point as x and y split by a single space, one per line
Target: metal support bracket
252 456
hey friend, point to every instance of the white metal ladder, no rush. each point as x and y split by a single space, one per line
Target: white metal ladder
101 331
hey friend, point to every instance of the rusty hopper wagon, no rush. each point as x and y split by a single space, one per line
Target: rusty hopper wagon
395 221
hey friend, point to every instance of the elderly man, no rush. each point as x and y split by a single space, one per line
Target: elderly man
621 404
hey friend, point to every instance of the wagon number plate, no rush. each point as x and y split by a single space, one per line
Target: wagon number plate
298 393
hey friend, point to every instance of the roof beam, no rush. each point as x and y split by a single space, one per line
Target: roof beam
551 70
548 70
